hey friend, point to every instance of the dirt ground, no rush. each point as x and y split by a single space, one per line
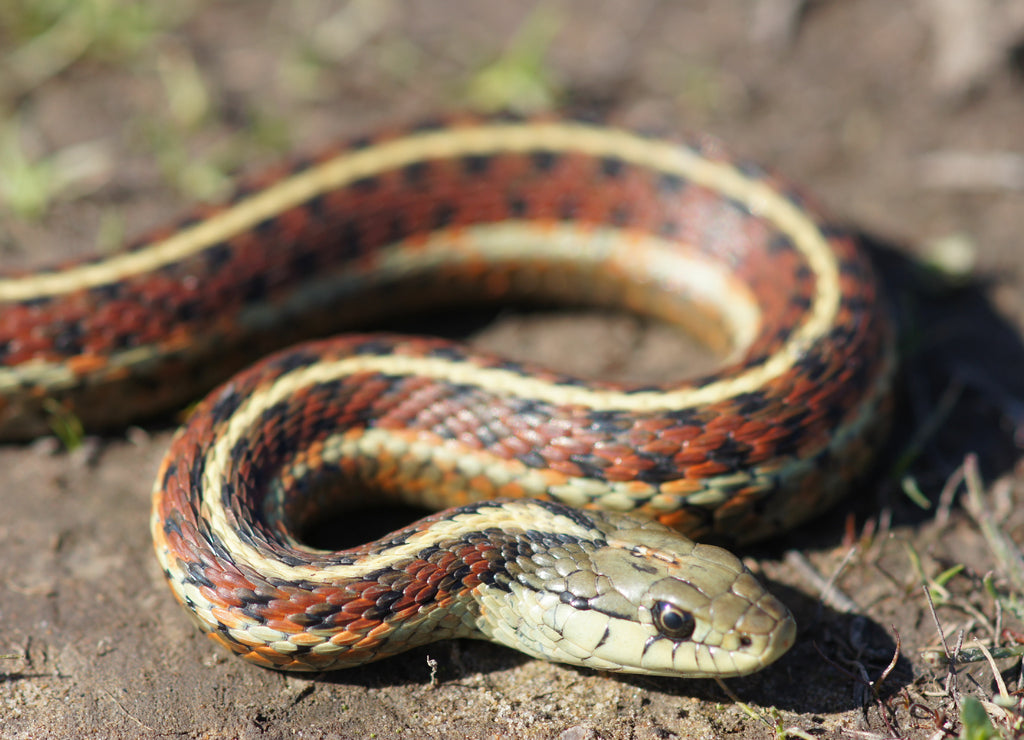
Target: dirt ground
903 118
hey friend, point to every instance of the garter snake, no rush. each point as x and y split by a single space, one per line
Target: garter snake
571 494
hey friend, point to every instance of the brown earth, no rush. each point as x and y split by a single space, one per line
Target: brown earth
854 99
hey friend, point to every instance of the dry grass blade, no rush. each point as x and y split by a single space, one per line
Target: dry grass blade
1009 560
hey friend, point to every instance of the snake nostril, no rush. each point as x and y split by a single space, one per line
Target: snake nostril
745 641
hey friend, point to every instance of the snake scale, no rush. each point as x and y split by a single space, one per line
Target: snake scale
572 497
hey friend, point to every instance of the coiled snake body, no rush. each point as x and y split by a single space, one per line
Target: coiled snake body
571 493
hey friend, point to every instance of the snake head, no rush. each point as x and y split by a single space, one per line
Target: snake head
693 609
642 599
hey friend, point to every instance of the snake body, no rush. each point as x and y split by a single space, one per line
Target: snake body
572 495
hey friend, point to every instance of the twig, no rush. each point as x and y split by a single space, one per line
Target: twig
830 594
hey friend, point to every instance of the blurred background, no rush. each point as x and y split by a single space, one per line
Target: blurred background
903 118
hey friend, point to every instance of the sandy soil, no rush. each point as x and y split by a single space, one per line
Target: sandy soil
854 101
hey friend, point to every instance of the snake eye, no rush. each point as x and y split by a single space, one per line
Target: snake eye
673 622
